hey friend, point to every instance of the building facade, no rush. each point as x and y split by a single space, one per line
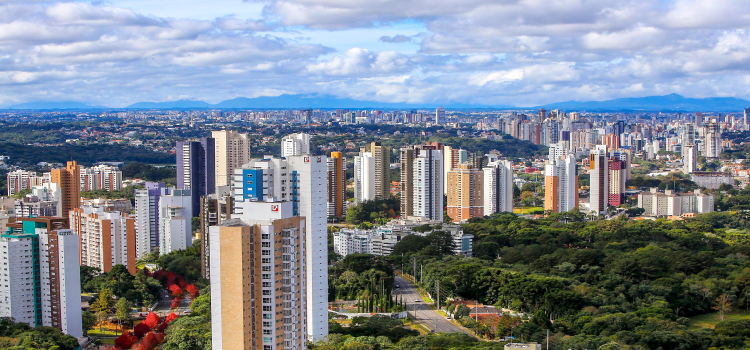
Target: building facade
68 179
147 217
497 187
382 155
41 283
336 171
175 220
196 168
598 180
364 177
258 284
232 150
465 193
560 185
107 238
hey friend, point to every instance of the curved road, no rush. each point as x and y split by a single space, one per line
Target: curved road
422 311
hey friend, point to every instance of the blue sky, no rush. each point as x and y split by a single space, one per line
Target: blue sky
510 52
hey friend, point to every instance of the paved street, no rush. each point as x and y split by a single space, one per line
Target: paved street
422 311
164 309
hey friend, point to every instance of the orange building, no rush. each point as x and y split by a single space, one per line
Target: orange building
336 184
107 238
465 197
69 180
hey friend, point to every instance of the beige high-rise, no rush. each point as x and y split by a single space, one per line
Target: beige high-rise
232 151
465 199
382 155
258 286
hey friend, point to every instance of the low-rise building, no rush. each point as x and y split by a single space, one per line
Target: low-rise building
669 203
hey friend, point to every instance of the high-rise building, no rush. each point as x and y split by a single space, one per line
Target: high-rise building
407 180
712 141
216 208
336 169
560 184
175 220
41 285
196 168
382 155
498 187
258 284
68 179
746 118
232 150
100 177
617 177
427 194
598 180
451 159
19 180
302 181
364 177
465 199
689 158
440 115
107 237
147 217
295 145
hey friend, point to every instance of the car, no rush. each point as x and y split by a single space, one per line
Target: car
397 286
416 300
447 317
188 312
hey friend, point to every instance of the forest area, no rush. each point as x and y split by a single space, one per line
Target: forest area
619 284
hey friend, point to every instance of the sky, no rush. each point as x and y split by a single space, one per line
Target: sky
499 52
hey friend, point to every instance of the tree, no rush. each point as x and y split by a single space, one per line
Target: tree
152 320
123 309
101 317
723 304
443 241
140 330
103 301
88 321
410 244
126 340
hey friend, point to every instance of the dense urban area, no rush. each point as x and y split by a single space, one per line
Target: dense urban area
368 229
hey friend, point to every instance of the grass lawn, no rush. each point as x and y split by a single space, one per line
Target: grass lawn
526 210
711 319
110 341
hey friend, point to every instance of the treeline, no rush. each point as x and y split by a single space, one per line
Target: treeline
373 211
20 336
84 154
633 283
148 172
509 146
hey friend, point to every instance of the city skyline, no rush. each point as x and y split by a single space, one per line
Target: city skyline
125 51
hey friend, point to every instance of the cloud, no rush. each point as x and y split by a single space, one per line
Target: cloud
525 52
395 39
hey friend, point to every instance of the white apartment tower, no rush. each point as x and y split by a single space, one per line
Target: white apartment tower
41 282
147 217
364 177
175 218
498 187
428 184
295 145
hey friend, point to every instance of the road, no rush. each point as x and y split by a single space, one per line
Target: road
165 302
422 311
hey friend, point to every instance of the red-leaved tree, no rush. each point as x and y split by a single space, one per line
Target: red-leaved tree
152 320
149 342
140 330
125 341
162 327
171 317
194 293
175 303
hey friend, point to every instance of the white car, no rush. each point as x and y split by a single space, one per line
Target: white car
417 300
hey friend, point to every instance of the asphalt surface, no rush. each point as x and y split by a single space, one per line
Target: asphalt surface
165 302
422 311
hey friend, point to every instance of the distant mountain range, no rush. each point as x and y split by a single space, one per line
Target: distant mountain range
672 102
55 105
